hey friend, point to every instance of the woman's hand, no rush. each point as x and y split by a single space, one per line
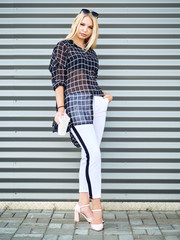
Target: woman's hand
108 96
61 112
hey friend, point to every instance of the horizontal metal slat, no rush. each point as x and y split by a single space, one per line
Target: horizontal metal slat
101 42
105 186
46 136
75 165
103 82
114 104
105 155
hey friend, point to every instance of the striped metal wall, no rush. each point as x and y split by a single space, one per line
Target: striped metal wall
139 54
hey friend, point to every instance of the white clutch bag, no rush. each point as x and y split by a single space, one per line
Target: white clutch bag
63 124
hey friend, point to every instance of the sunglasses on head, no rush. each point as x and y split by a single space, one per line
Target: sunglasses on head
86 11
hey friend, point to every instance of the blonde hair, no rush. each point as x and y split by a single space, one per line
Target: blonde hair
91 41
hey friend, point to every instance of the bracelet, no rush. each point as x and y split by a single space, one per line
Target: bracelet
61 106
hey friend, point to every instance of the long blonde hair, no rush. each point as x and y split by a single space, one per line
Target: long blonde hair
91 41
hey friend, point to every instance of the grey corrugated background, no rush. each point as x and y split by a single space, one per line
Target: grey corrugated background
139 54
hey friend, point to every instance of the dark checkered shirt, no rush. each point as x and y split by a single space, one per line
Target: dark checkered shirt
77 71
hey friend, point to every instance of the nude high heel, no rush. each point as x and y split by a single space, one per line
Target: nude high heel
77 212
97 227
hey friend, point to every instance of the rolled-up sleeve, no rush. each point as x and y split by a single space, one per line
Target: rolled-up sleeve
57 65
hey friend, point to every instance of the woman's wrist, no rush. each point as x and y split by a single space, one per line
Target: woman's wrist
61 108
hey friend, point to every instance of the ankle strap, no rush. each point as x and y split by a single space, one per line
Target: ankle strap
97 210
84 206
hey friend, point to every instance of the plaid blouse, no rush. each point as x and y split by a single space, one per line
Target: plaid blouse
77 72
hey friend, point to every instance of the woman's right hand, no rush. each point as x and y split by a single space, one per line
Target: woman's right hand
61 112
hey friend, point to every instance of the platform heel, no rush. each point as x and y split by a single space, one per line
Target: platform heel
77 212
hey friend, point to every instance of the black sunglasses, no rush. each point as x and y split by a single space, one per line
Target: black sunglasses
86 11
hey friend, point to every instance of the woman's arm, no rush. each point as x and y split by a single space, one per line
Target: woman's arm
59 91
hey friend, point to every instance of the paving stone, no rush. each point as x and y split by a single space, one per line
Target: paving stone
145 227
54 231
8 230
47 211
27 237
171 232
165 226
24 230
38 230
59 232
61 211
20 215
35 211
30 220
66 237
176 226
54 225
43 220
149 222
111 237
126 237
50 237
108 215
82 224
5 236
124 226
68 226
3 224
34 224
81 231
63 221
160 215
82 237
136 222
172 215
171 238
95 233
110 231
153 232
7 214
149 237
69 215
121 215
58 215
13 225
38 215
139 232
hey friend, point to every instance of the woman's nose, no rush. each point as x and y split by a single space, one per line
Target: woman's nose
85 29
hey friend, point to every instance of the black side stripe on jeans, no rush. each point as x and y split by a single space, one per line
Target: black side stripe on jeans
88 159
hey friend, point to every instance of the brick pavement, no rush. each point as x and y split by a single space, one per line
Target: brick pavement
59 225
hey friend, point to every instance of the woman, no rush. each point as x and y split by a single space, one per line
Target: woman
74 67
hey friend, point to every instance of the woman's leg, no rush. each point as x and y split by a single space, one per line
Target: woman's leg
90 166
99 107
99 113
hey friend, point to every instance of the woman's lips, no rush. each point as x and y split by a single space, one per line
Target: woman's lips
83 34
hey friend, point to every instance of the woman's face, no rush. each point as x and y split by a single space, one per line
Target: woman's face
85 28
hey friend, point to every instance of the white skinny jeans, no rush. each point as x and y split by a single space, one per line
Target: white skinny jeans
89 137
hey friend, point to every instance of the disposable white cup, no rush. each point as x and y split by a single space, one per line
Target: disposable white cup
63 124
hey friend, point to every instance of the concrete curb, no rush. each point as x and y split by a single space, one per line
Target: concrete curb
154 206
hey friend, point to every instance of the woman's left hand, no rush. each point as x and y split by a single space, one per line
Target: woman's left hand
108 96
